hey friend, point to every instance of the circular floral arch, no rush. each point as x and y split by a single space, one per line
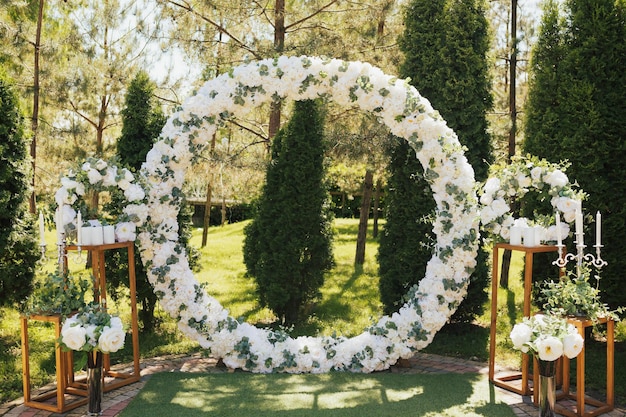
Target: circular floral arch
408 115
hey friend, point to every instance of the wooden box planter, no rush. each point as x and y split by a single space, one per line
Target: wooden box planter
583 405
518 382
71 392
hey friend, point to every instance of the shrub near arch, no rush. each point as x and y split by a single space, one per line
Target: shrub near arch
407 115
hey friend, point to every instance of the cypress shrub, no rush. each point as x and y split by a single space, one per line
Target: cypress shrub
18 244
288 244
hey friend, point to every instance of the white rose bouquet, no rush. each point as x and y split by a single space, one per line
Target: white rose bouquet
93 329
548 337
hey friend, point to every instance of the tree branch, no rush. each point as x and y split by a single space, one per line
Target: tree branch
216 25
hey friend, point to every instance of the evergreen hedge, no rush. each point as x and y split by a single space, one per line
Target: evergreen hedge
576 112
288 244
445 45
19 251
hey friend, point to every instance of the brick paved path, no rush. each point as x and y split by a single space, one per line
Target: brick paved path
115 401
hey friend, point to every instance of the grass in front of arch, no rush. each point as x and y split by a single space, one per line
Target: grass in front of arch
330 395
349 301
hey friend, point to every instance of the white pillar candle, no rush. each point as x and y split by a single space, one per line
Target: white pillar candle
529 236
598 229
85 233
559 240
42 230
579 220
79 229
515 235
97 237
109 234
538 235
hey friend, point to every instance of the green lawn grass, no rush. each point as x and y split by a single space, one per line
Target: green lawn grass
349 303
331 395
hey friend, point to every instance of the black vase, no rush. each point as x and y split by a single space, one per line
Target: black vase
94 382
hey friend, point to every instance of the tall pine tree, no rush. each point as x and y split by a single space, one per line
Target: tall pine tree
576 112
288 245
18 245
445 44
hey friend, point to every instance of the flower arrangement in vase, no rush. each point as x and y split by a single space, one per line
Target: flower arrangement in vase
547 337
94 331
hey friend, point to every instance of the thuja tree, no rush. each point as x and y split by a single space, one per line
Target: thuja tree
288 244
445 44
143 120
405 244
576 110
18 245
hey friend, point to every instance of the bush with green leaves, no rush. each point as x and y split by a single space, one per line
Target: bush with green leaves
288 244
439 35
19 252
575 112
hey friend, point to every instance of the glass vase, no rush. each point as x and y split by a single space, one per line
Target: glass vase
547 388
94 383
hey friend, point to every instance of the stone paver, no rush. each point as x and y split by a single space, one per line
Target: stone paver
115 401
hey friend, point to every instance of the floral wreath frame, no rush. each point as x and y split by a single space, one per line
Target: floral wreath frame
186 134
514 181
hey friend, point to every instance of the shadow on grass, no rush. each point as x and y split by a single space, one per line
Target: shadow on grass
461 340
334 394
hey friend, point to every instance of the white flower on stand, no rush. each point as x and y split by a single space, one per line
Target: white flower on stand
547 336
125 232
93 329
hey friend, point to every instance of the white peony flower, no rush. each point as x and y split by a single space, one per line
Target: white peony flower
573 344
520 336
111 339
549 348
125 232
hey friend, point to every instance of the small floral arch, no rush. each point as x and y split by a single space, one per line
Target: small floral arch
515 180
407 115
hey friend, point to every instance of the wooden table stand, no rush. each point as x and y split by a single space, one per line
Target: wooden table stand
585 406
63 397
113 379
71 392
518 382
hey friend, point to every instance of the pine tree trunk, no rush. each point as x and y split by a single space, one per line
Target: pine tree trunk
368 184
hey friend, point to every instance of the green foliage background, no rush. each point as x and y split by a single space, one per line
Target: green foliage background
288 245
18 244
576 112
445 45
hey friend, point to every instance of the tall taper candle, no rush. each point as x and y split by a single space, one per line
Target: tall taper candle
598 228
42 238
79 229
559 241
59 225
579 225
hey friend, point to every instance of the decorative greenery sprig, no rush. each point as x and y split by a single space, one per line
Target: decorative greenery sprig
574 295
58 294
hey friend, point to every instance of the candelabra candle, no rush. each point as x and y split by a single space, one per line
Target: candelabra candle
598 229
61 253
580 256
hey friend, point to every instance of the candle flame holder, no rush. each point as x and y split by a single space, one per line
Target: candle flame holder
61 253
580 256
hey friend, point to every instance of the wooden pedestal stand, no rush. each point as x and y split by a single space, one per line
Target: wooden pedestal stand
70 392
517 382
64 397
595 407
